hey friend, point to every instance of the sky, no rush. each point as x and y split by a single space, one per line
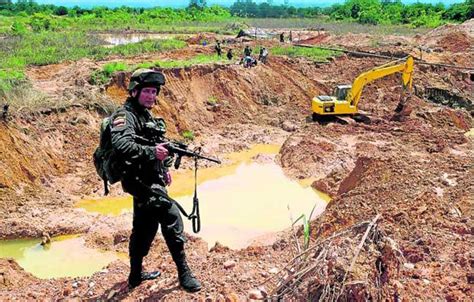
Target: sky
184 3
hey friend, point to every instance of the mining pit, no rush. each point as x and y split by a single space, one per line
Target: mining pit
393 196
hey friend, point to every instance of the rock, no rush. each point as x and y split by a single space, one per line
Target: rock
263 158
273 270
255 294
289 126
408 265
229 264
232 297
398 285
46 239
118 238
219 248
67 291
445 180
263 291
111 294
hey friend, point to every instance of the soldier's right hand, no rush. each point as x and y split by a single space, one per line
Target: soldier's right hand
160 151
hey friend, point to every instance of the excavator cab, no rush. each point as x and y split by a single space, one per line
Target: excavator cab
329 105
340 92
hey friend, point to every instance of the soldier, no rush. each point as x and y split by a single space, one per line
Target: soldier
145 177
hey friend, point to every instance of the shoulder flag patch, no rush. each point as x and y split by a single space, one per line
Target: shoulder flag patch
119 121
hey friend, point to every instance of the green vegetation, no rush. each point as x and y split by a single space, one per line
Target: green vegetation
363 11
395 12
188 135
315 54
199 59
306 227
47 47
212 101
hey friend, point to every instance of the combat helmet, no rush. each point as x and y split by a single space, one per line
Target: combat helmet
144 77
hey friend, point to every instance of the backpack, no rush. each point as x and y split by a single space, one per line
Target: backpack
106 161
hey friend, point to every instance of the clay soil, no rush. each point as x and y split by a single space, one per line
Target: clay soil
411 171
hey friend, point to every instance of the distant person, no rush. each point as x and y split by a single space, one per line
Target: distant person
247 51
248 62
229 54
218 48
282 37
263 55
5 112
290 38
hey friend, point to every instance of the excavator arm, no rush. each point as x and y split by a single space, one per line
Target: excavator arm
406 68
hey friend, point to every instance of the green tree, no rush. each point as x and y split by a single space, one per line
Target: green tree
197 4
40 21
60 10
460 11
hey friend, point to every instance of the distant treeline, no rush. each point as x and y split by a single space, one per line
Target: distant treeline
362 11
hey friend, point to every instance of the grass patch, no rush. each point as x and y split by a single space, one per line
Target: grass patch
314 54
188 135
101 77
197 60
43 48
212 101
21 96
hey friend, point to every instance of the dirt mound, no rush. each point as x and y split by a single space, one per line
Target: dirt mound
454 38
23 161
200 39
314 40
455 42
413 175
202 97
12 275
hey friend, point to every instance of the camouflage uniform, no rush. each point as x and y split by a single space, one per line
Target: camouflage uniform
144 179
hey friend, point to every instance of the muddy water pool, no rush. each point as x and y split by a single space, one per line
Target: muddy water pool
65 256
238 202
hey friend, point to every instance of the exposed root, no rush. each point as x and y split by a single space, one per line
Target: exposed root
337 268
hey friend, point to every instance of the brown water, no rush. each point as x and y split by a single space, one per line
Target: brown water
66 256
238 202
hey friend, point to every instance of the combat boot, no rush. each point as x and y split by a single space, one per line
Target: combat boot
137 276
186 278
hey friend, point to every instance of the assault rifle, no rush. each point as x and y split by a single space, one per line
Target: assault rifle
180 149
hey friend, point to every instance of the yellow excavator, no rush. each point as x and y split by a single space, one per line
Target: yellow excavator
346 97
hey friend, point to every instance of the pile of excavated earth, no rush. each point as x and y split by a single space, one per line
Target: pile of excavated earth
399 225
